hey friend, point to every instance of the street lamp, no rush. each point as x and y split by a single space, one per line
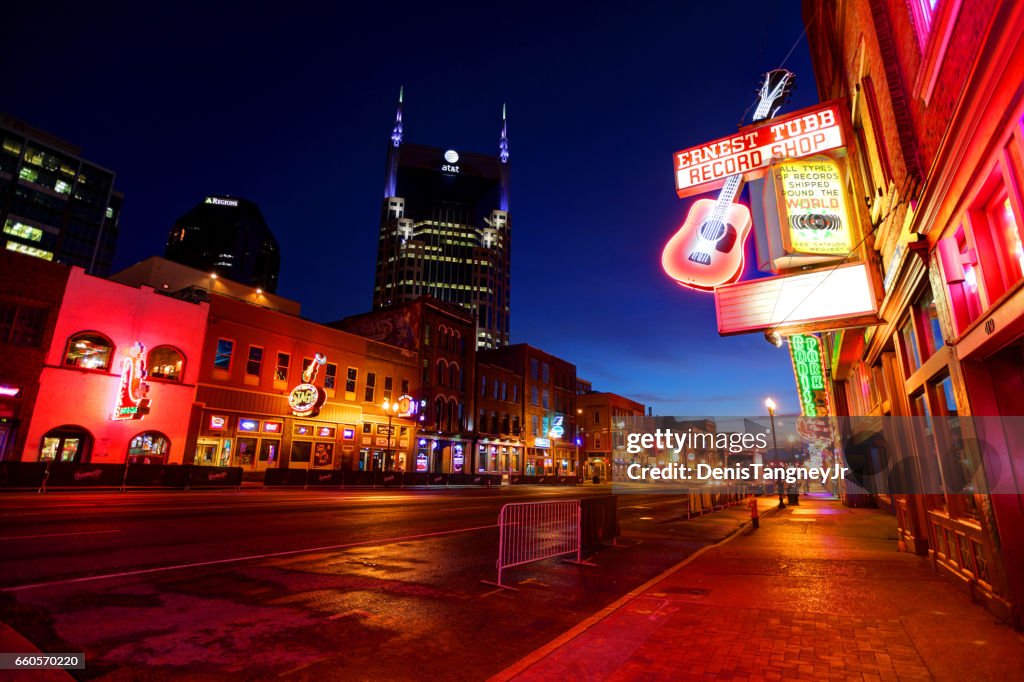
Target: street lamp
771 415
390 409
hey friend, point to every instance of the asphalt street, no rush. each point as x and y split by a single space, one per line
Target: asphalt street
304 584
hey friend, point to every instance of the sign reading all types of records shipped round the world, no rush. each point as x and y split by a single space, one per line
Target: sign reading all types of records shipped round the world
813 206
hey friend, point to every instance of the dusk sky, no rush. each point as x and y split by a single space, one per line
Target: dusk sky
292 108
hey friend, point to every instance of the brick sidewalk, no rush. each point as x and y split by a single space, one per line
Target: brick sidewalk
818 593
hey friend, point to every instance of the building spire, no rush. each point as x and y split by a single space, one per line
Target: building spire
396 132
503 143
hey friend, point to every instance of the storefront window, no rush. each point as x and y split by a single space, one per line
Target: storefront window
1008 233
302 451
928 323
165 363
268 452
89 350
65 445
149 447
910 352
246 452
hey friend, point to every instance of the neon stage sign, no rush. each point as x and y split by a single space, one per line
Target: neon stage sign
306 399
809 371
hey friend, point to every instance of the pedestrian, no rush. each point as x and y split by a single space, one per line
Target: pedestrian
755 519
780 488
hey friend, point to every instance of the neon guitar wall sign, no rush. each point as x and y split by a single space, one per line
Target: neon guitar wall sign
707 251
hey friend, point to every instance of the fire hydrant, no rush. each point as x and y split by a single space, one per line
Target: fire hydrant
755 519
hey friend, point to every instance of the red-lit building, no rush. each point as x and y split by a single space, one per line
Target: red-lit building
276 390
118 377
934 94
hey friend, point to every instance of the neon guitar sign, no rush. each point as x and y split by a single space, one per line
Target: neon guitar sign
707 251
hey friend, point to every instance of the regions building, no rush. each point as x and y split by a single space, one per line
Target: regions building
445 232
933 92
227 236
54 204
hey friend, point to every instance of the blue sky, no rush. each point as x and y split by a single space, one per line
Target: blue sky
293 110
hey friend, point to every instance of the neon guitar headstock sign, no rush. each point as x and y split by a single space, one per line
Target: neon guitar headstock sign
707 251
306 399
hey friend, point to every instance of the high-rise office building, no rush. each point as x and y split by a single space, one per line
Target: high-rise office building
54 204
227 236
445 231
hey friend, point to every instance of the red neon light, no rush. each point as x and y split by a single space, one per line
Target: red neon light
132 402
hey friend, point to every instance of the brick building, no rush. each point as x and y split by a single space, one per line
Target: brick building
548 404
933 91
440 338
604 419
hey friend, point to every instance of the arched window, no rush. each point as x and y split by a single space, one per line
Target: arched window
89 350
439 413
66 444
166 363
453 375
149 447
452 425
442 366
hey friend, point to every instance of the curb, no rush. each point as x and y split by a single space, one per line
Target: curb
525 663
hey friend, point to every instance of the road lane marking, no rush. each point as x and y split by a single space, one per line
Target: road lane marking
56 535
251 557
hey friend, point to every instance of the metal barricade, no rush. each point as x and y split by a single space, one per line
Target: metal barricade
533 531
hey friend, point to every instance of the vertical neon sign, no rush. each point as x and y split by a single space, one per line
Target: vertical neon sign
809 371
132 402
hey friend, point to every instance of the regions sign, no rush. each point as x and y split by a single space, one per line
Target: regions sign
800 134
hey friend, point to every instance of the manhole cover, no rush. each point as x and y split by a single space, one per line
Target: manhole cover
695 591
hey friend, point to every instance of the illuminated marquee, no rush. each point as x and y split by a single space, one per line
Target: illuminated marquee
132 402
825 299
809 371
306 399
803 133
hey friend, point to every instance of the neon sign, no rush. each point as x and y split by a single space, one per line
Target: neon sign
458 460
808 368
407 406
802 133
306 399
248 425
7 391
557 429
814 207
132 402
